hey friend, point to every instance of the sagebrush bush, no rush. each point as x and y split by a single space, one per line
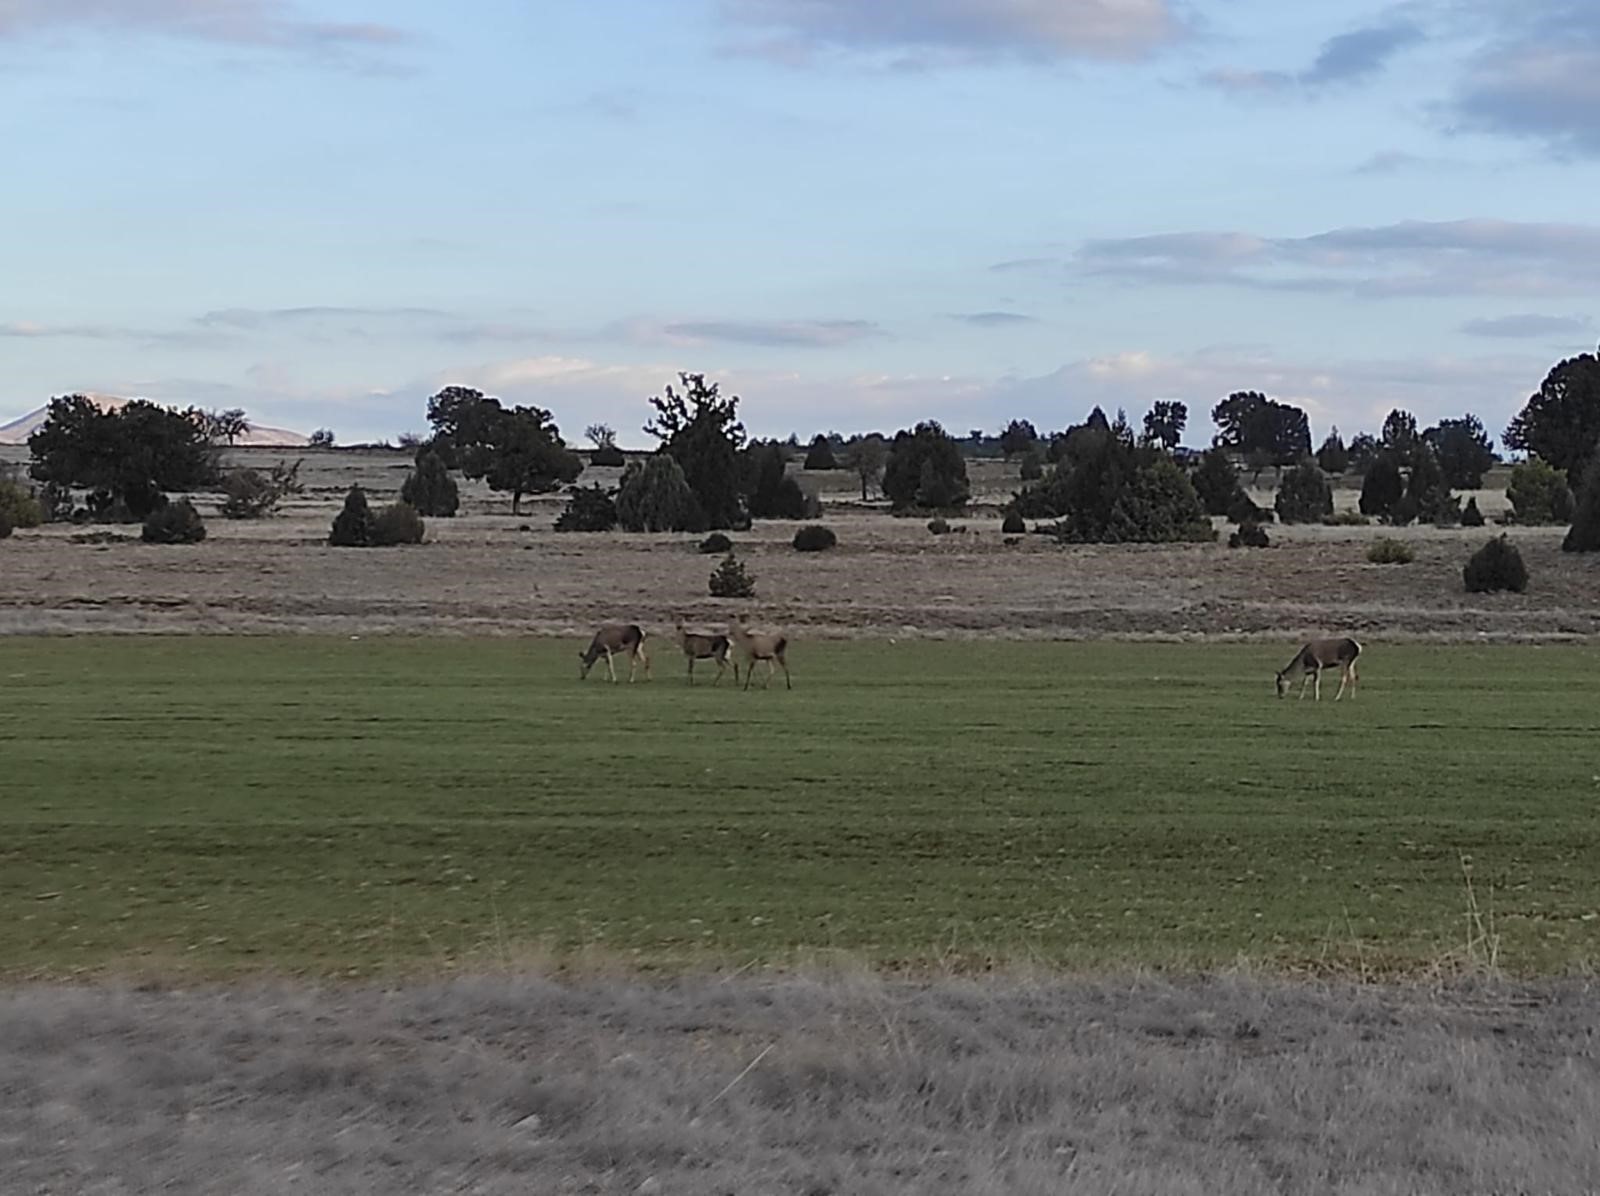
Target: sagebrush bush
175 523
1386 550
397 523
731 580
1496 566
18 506
814 538
430 488
1013 524
1249 535
251 494
1470 515
588 509
352 527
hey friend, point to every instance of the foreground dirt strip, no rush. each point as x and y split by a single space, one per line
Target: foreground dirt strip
847 1083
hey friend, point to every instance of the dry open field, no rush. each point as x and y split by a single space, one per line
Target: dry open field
486 572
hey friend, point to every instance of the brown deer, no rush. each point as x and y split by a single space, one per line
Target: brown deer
1316 656
611 639
706 647
766 646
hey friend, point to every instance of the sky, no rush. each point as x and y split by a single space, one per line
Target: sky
853 215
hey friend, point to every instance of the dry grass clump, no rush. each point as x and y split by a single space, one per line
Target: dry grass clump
844 1084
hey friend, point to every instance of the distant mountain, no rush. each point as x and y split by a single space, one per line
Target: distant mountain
18 430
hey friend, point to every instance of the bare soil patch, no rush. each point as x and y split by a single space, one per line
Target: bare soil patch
489 572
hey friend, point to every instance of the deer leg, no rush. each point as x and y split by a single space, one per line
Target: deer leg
771 669
1316 685
788 682
609 669
691 670
1305 680
1354 680
749 670
1344 679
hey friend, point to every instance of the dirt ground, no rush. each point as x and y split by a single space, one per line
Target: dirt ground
820 1085
488 572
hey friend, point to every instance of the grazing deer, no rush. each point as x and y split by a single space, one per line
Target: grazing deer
611 639
706 647
1316 656
760 646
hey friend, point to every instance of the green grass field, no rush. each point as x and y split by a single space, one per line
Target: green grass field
343 807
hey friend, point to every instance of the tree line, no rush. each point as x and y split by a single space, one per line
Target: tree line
1099 480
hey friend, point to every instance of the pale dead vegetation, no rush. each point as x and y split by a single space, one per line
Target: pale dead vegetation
489 573
828 1084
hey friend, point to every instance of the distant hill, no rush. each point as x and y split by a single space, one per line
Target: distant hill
18 430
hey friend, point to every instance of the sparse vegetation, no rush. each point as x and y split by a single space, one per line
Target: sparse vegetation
174 523
815 538
1346 519
1386 550
1496 566
730 579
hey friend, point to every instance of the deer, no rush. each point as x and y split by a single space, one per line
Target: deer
1316 656
611 639
706 647
767 646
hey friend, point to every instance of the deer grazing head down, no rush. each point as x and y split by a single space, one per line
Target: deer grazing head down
1315 656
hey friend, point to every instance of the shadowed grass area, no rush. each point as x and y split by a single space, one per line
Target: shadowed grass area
334 807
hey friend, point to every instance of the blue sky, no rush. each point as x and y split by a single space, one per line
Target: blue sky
852 214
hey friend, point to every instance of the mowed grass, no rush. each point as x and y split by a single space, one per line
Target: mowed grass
335 807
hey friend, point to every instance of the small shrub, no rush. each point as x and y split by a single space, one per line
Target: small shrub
321 438
1470 515
939 526
588 509
1243 510
1538 494
608 455
397 523
814 538
1346 519
430 488
251 494
1496 566
1032 466
174 523
18 506
716 543
1013 524
1249 535
352 527
730 580
1386 550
